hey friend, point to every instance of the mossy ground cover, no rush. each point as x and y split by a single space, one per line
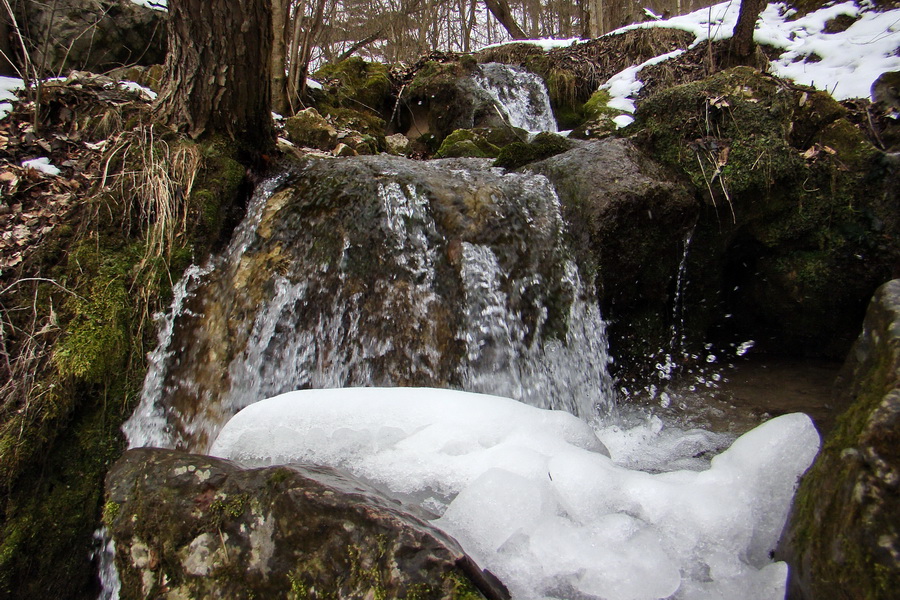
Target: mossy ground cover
76 326
792 184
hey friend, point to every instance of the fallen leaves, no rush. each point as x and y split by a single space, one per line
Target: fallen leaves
32 202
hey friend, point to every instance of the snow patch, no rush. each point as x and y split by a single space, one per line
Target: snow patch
41 164
543 43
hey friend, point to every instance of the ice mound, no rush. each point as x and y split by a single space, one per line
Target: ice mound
532 495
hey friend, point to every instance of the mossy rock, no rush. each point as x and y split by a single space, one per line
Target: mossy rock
848 142
443 98
597 119
843 533
796 204
54 455
815 110
357 84
355 120
544 145
212 529
310 129
466 143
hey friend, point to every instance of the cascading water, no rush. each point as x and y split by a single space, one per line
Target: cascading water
519 94
384 272
379 272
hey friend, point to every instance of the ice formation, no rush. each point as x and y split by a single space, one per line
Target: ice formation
533 496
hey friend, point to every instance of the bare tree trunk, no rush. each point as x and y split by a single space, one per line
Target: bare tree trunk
310 36
597 17
500 10
218 71
742 45
280 24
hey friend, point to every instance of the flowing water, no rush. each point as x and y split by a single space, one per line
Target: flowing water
444 274
519 94
382 271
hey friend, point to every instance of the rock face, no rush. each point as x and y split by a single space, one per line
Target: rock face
798 224
93 35
631 218
189 526
384 271
843 535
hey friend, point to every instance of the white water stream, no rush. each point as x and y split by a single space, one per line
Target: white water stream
471 288
519 94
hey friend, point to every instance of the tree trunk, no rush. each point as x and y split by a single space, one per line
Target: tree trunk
742 45
280 34
500 10
218 71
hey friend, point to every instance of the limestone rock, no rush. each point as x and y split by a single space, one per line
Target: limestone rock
397 144
93 35
309 128
843 536
629 218
190 526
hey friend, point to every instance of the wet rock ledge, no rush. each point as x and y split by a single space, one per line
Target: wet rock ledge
190 526
843 536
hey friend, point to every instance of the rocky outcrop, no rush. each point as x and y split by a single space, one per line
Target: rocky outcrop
798 222
441 98
189 526
384 271
629 218
843 535
92 35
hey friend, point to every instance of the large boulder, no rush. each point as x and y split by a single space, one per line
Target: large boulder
189 526
798 224
629 218
443 97
92 35
843 535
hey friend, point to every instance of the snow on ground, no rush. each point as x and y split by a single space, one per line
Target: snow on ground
532 495
42 164
843 63
156 4
543 43
137 88
8 85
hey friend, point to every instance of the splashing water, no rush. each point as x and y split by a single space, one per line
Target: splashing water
494 306
519 94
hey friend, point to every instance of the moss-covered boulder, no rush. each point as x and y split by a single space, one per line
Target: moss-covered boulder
798 225
843 534
477 143
441 98
356 84
310 129
189 526
544 145
75 360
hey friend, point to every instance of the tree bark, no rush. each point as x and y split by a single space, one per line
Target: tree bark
500 10
742 45
218 71
280 34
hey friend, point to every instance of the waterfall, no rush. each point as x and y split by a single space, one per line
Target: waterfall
519 94
378 271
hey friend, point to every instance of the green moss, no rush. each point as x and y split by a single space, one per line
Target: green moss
55 453
543 146
110 512
357 84
462 588
466 142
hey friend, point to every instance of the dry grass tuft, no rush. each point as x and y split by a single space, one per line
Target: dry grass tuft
158 178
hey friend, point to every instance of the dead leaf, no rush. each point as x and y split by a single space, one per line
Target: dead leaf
811 153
